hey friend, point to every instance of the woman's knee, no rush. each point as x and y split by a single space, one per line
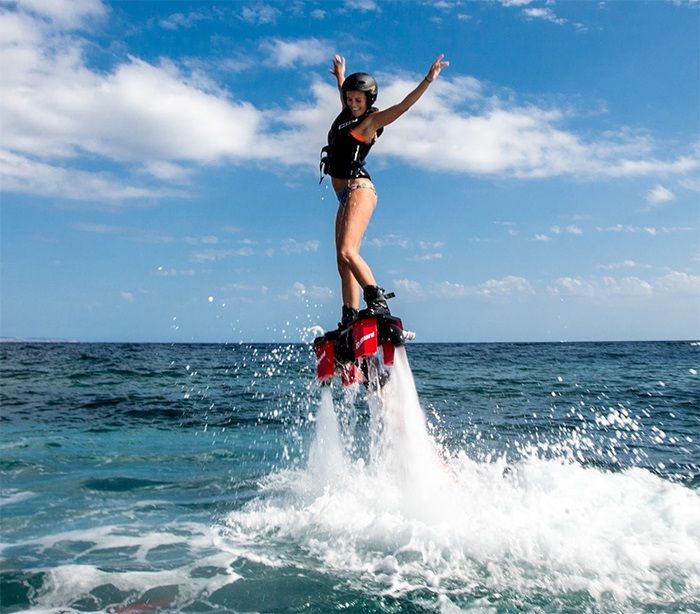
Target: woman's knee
346 256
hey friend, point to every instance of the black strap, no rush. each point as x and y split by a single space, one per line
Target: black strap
323 165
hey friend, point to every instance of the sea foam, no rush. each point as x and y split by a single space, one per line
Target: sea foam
410 517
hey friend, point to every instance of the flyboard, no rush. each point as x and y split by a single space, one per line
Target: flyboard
362 351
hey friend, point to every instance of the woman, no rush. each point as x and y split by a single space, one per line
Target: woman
351 136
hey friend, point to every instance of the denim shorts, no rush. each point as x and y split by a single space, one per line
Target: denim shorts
344 194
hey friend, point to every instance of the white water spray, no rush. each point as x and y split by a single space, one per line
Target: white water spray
327 461
404 518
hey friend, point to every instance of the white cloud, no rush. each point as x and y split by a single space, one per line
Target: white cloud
523 141
389 240
650 230
428 257
70 15
659 195
625 264
515 2
364 6
677 282
509 286
691 183
260 14
127 297
54 106
167 171
292 246
408 286
301 52
431 244
673 283
316 293
605 287
22 174
182 20
546 14
215 255
571 229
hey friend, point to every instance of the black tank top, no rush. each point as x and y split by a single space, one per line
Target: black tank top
344 156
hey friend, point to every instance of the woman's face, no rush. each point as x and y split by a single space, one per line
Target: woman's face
356 101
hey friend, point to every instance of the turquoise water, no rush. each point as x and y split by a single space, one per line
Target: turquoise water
511 477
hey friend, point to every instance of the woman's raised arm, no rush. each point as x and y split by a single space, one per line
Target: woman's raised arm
338 69
383 118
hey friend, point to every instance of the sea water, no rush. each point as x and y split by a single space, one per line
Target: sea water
482 478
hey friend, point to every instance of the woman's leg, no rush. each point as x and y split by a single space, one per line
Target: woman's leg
350 225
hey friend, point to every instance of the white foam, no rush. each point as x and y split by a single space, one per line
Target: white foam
408 517
67 582
10 496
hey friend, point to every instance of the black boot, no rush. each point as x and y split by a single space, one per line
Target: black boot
376 301
349 315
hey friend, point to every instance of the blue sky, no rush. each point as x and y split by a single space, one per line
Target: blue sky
159 168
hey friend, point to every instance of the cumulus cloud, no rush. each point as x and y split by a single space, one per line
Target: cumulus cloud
509 286
260 14
524 141
659 195
677 282
650 230
364 6
300 52
316 293
167 171
428 257
673 283
389 240
556 230
176 21
515 2
292 246
607 286
625 264
69 15
546 14
20 173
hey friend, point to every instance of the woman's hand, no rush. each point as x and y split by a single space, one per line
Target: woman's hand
435 68
338 68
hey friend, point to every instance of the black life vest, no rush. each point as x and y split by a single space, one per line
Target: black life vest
344 156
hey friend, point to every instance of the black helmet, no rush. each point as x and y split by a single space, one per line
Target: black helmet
361 82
